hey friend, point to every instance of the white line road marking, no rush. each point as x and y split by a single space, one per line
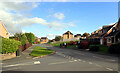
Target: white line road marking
21 64
13 65
71 61
98 65
79 60
37 62
90 63
75 60
109 69
72 58
57 63
83 61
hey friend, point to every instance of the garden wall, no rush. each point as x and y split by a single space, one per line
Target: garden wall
7 56
24 47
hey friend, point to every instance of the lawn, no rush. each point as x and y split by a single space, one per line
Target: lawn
40 51
103 48
71 46
58 43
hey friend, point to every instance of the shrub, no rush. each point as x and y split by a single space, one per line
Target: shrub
115 48
23 39
38 42
93 48
30 37
9 45
100 48
103 48
83 45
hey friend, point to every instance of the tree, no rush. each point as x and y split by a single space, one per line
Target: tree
23 39
30 37
86 34
58 38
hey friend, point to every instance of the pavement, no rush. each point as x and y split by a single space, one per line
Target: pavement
65 59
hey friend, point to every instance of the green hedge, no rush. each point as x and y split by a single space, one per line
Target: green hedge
115 48
30 37
99 48
23 39
9 45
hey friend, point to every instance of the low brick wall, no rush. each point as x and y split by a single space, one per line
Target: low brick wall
7 56
24 47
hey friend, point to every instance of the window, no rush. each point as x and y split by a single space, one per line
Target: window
114 29
109 40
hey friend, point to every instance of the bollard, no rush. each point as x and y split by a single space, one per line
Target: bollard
18 52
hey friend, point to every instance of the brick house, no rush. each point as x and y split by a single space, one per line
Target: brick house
105 30
108 34
3 31
68 35
96 34
113 35
37 39
77 36
43 40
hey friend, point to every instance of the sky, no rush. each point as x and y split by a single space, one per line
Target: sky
48 19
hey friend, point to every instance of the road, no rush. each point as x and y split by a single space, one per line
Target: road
65 59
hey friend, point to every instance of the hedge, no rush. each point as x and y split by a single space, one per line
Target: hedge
9 45
99 48
23 39
115 48
30 37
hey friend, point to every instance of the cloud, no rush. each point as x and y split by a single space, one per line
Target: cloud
11 16
23 31
30 21
71 24
51 36
56 25
111 23
59 16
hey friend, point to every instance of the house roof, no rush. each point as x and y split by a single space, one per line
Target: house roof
107 28
43 37
77 35
113 33
3 25
68 32
96 31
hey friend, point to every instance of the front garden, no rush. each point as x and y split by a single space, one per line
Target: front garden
40 51
92 46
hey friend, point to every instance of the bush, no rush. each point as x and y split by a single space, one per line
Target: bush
23 39
93 48
114 48
38 42
9 45
98 48
30 37
83 45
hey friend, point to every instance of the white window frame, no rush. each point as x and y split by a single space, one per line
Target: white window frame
109 40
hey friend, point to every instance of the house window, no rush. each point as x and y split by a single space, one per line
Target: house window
109 40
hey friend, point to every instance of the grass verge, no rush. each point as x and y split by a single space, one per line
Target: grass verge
40 51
